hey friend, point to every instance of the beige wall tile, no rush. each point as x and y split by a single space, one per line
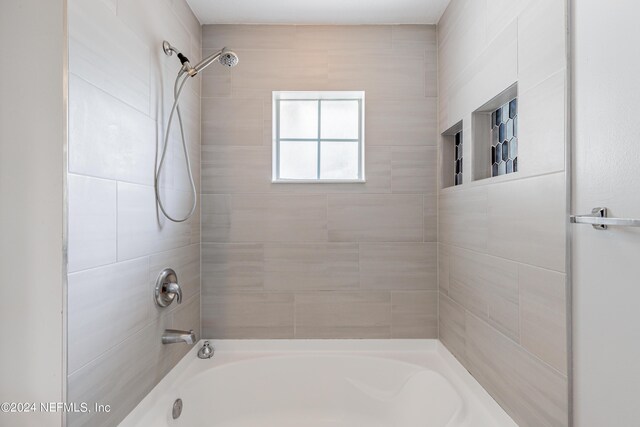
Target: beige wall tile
414 314
186 16
463 218
401 122
541 42
248 36
527 220
430 210
451 326
343 37
275 218
140 230
216 85
232 122
507 225
493 71
444 267
531 392
108 138
431 72
488 287
397 77
260 72
106 53
361 217
119 97
343 315
105 306
500 14
149 23
413 35
541 117
248 315
236 266
398 266
140 362
92 222
311 266
462 35
196 221
235 169
543 317
242 208
216 217
414 170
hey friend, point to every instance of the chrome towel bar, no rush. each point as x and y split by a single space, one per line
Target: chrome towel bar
598 219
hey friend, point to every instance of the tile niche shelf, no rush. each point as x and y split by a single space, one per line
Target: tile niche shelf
495 136
452 156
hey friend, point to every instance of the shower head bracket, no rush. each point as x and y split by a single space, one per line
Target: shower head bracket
166 46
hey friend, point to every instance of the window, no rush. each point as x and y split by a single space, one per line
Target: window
318 137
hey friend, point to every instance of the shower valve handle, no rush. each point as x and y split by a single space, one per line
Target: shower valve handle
167 288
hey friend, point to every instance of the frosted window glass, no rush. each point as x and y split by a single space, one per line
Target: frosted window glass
299 119
339 160
340 120
298 160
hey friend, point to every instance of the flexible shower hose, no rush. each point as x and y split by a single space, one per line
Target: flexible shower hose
177 90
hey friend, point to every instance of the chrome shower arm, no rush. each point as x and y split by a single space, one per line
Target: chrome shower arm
207 61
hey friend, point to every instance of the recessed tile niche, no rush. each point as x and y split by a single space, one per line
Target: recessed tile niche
452 156
495 136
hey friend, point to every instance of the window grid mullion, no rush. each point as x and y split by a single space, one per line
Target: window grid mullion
319 136
360 153
278 139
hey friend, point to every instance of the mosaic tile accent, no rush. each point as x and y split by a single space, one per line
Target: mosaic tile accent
504 139
458 159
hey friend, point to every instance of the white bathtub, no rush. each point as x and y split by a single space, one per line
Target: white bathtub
320 383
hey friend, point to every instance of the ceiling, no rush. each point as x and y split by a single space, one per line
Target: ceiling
318 11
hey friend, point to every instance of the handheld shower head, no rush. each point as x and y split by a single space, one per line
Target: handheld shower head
225 57
228 58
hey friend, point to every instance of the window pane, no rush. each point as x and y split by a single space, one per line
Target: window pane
340 120
299 119
339 160
298 160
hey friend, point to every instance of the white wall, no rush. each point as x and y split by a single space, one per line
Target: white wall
32 143
606 107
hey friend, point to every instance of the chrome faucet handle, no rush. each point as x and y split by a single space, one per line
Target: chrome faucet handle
174 288
167 288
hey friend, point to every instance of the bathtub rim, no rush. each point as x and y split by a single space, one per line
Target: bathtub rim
471 391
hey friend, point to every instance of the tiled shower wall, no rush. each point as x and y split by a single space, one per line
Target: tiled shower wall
120 89
320 260
502 273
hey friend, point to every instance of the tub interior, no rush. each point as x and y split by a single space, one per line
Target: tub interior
319 391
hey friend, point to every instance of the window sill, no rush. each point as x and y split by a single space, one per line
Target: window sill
318 181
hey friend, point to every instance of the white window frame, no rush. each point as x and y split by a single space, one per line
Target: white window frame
318 96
